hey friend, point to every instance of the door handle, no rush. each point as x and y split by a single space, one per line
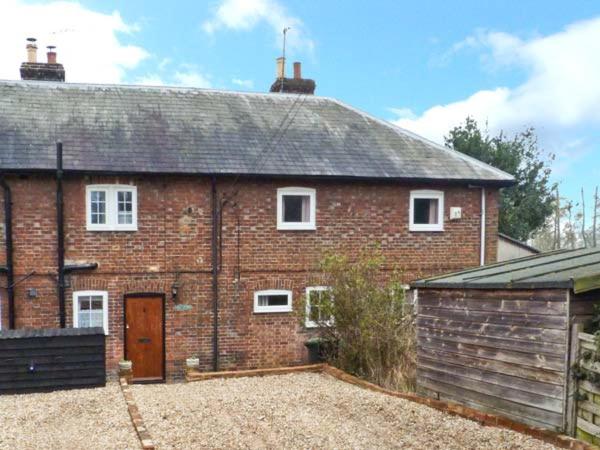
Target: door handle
144 340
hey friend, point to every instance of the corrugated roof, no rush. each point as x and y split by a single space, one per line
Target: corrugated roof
577 269
137 129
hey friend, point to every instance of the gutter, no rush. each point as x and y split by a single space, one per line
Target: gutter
215 270
10 277
60 236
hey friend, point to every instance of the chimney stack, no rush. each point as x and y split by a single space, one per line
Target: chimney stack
33 70
297 71
51 54
280 67
31 50
296 85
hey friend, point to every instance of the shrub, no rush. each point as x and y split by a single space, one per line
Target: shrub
366 320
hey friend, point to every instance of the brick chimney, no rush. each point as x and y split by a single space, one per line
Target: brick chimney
33 70
297 85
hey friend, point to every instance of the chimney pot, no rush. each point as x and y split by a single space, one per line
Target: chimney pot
297 71
51 54
31 50
281 67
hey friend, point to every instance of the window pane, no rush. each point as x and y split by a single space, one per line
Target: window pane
296 208
84 319
272 300
98 207
97 302
426 211
96 319
124 207
84 303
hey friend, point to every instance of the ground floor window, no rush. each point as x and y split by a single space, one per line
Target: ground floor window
272 300
318 300
90 309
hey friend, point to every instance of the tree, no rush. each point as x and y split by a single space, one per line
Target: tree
525 206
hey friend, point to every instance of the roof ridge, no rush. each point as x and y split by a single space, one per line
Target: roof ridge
404 131
74 85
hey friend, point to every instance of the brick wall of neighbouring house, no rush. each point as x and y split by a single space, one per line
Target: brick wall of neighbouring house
174 231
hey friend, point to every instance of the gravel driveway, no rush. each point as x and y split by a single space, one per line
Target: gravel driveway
305 411
75 419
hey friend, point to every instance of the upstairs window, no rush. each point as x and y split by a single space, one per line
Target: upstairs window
90 309
296 208
272 300
318 306
111 208
426 211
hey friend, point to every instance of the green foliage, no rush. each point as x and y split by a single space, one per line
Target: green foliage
525 206
366 319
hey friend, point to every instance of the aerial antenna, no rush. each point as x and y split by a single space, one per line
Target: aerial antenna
285 30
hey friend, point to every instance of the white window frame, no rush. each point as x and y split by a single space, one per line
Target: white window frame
112 212
273 309
312 194
103 294
430 195
309 323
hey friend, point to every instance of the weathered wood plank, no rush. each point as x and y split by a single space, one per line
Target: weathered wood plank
496 317
520 358
52 359
530 373
53 351
38 375
589 407
501 379
557 295
506 306
504 331
589 387
52 342
510 408
500 412
52 384
588 427
494 390
488 341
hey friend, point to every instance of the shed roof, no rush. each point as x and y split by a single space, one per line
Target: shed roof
138 129
570 269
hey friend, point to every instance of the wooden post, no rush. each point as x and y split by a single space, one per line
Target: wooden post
571 398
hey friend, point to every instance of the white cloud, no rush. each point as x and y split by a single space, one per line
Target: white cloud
561 90
246 84
244 15
87 42
192 79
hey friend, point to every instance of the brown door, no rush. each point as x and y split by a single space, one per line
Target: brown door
144 340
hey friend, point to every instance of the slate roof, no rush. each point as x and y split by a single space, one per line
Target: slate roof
136 129
571 269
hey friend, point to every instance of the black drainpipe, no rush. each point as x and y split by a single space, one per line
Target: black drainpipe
215 269
10 275
60 235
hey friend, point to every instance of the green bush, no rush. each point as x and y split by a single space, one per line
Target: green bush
366 320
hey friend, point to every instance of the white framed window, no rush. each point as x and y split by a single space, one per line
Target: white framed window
296 208
111 207
272 300
317 298
90 309
426 211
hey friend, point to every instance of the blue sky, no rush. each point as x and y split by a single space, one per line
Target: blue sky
423 65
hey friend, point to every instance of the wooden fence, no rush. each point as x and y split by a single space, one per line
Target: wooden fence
37 360
588 394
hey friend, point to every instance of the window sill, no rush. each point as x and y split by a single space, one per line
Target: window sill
294 227
425 230
273 311
94 229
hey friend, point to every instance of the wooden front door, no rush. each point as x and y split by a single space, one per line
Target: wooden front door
144 337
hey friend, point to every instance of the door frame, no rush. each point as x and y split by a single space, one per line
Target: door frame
164 320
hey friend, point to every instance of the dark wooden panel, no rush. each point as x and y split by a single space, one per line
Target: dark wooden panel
51 359
505 392
495 317
501 379
501 306
530 373
487 341
509 408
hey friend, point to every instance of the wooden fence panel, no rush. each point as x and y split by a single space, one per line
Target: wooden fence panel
498 351
39 360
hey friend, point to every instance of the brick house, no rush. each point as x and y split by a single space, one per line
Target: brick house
187 222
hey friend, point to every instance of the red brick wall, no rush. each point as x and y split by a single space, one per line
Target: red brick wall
174 232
